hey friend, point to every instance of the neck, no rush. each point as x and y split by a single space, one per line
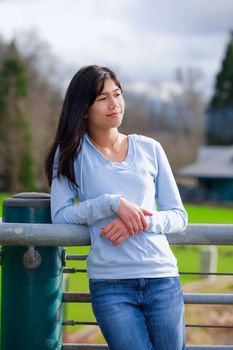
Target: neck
103 139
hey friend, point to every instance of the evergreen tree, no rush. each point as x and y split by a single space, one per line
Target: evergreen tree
220 110
223 96
13 122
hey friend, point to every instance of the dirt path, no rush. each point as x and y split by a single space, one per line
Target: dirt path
87 335
221 315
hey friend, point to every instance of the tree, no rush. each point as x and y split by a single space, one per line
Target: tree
13 121
224 80
26 175
27 118
188 103
220 109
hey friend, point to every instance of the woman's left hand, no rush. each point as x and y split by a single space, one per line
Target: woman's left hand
117 232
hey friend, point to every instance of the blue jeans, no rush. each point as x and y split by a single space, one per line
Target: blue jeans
140 314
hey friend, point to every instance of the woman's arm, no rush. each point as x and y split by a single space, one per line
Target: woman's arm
65 211
171 217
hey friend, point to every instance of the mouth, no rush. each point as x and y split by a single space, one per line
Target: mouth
115 114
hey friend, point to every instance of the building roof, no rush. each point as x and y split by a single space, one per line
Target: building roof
212 162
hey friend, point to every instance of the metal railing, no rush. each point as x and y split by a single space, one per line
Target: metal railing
48 235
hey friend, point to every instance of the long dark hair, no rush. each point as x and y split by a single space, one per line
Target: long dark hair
82 91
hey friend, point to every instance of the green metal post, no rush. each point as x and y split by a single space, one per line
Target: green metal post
31 282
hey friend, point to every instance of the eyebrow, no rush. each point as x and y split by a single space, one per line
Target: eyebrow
107 93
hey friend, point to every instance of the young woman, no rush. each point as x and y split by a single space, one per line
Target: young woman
121 181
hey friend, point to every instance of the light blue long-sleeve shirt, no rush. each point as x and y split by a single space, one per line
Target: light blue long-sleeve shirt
144 178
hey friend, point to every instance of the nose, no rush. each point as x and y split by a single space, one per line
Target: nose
113 103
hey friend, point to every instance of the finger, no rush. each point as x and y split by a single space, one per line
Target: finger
129 226
102 233
144 222
135 221
120 240
146 212
109 233
141 223
122 234
135 227
107 228
112 233
146 226
114 237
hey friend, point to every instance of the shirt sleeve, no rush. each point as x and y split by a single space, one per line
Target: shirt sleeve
171 217
64 210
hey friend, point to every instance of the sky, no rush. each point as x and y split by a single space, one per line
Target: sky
145 41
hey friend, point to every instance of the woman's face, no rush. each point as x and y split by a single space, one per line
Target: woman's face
108 109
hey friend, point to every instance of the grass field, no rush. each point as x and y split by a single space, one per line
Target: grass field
2 197
188 258
199 214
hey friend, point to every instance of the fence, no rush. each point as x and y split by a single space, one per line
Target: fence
39 236
43 235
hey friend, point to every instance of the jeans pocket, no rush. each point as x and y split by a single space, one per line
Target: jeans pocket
97 282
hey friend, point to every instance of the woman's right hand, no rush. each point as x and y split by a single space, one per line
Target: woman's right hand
133 216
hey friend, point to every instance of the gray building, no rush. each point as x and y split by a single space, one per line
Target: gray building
213 172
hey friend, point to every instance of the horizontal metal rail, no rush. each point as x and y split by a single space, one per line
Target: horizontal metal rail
73 297
84 347
76 257
85 323
77 323
73 270
78 235
208 347
105 347
77 270
206 298
207 273
208 326
189 298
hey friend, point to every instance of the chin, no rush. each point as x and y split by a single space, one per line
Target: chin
118 124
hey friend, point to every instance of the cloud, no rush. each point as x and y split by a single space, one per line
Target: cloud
182 17
144 40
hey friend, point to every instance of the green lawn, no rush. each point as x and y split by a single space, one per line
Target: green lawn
188 258
2 197
209 215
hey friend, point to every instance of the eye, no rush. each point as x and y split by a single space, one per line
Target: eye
101 99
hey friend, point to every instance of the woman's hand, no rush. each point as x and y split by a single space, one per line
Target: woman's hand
133 216
117 232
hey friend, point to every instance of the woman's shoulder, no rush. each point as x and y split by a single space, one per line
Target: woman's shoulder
145 140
